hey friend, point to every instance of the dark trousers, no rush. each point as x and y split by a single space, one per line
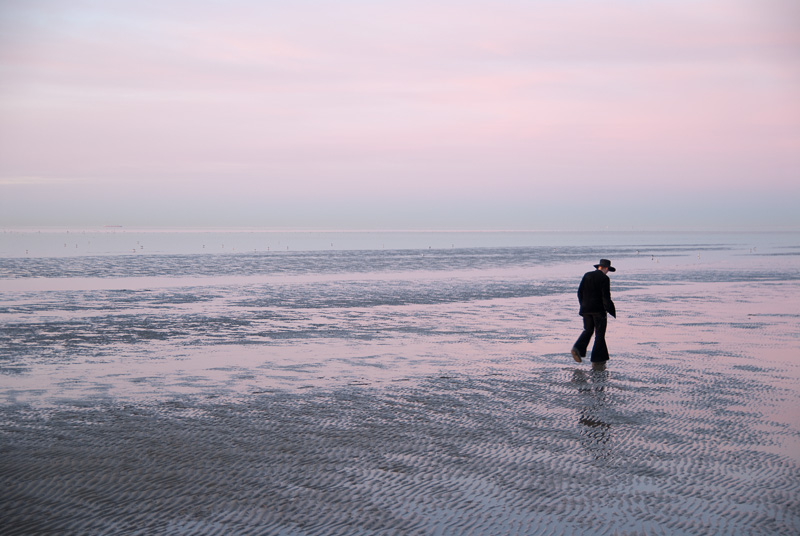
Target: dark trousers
594 323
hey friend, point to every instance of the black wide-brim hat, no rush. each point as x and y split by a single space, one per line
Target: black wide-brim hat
605 263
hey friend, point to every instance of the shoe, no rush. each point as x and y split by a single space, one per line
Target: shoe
576 355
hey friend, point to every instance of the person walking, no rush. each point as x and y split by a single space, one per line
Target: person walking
594 295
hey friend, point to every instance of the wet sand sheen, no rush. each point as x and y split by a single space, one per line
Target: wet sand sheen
646 449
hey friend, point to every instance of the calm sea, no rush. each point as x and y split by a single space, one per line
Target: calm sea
79 307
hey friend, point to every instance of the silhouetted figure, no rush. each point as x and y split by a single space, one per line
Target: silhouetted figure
594 295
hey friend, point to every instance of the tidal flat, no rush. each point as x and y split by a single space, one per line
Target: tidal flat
406 391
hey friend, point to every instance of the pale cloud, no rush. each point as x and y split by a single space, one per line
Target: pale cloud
344 101
39 181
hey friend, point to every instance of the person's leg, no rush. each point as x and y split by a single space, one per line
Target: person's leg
583 341
600 350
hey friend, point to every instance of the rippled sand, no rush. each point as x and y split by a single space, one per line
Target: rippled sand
693 428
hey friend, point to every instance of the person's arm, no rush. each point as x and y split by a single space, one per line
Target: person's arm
580 290
608 305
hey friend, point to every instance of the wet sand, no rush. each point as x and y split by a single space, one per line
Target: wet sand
693 428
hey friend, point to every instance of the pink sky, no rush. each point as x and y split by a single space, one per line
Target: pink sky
355 114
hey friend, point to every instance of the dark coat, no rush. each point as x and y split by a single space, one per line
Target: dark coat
594 294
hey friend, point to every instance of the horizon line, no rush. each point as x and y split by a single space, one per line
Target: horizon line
247 229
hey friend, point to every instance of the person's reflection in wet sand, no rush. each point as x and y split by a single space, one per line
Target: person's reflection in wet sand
595 432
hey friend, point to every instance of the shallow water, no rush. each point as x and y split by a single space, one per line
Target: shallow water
407 391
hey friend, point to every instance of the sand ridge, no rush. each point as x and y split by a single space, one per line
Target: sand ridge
552 449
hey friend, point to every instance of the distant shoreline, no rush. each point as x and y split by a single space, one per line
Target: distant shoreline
222 229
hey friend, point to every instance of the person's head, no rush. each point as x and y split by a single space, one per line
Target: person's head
605 266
